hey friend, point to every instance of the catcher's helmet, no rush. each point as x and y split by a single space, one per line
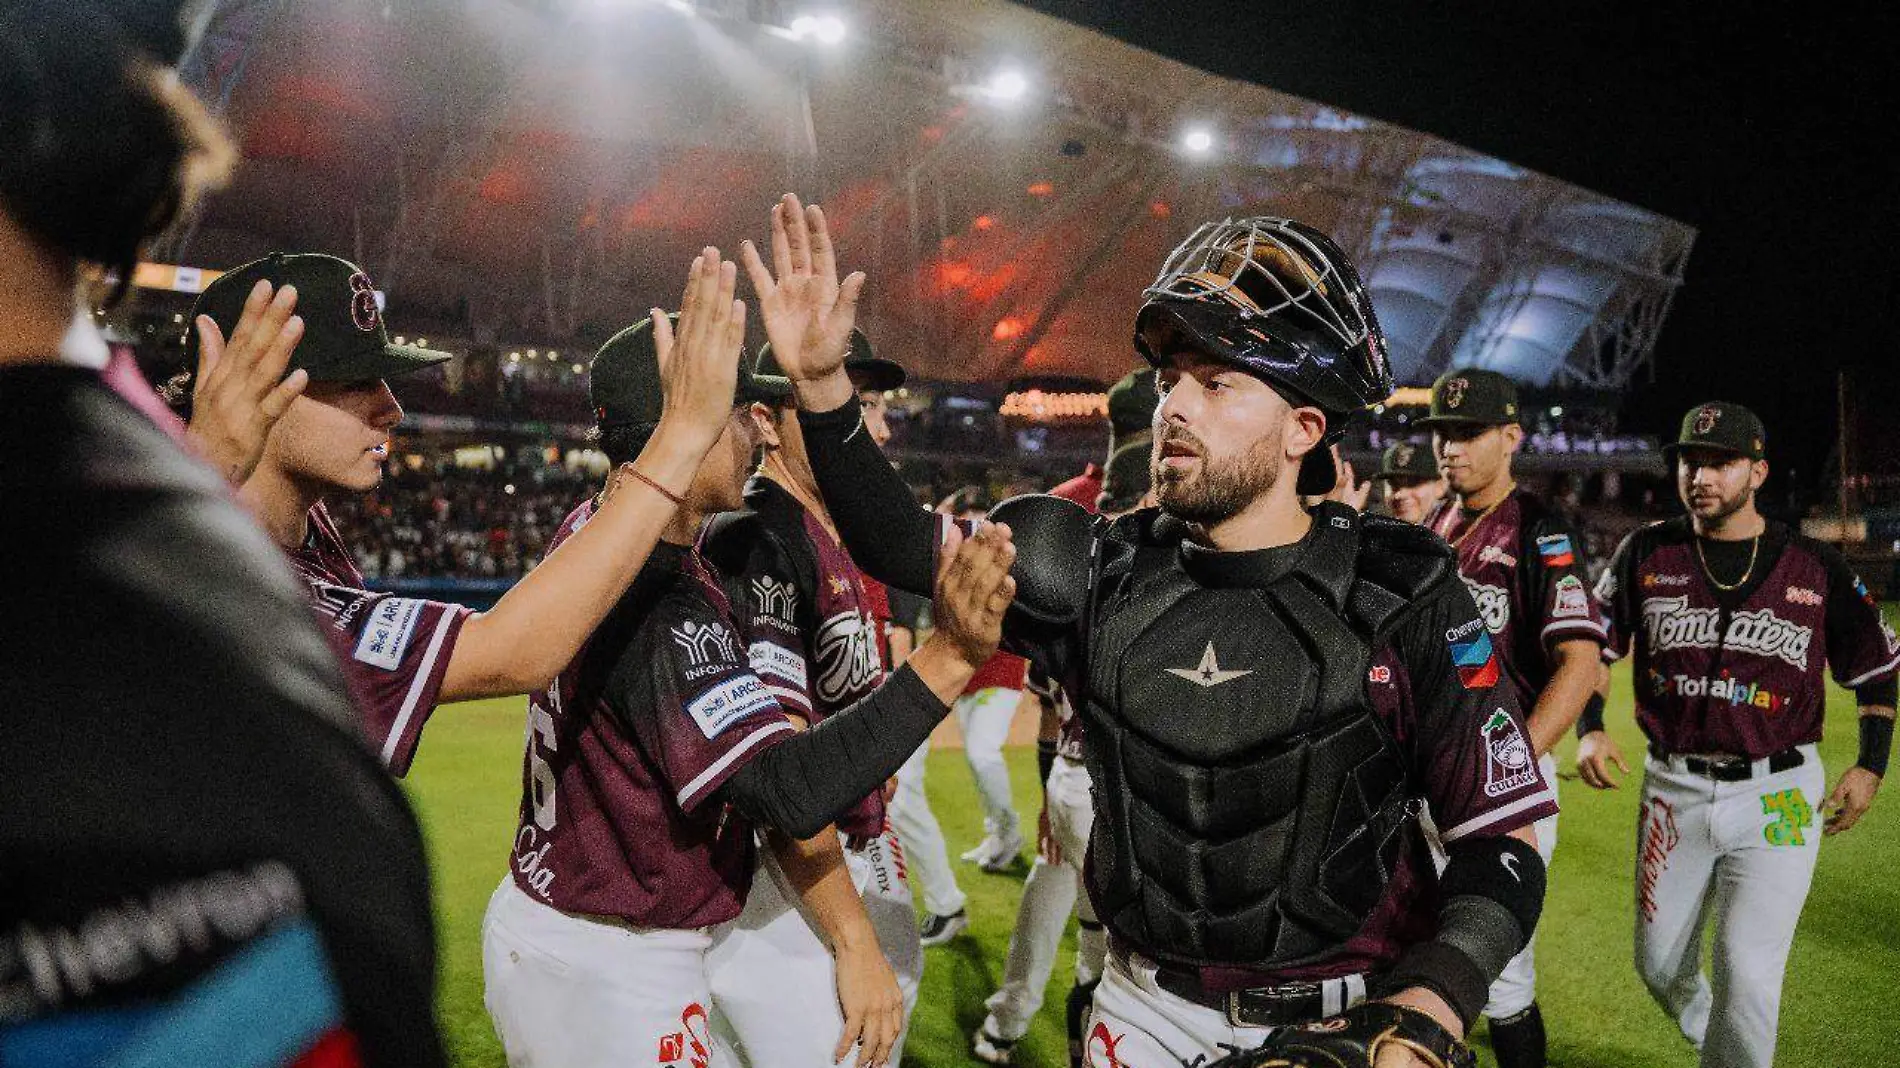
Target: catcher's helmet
1276 298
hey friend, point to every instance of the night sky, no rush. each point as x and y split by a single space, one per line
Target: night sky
1772 129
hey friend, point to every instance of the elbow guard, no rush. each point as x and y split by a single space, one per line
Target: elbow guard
1493 893
1053 538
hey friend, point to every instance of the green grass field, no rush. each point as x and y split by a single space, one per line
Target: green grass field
1835 1011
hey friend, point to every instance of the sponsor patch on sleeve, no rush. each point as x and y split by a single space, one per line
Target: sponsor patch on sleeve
1572 601
775 661
1471 651
727 704
1556 550
387 632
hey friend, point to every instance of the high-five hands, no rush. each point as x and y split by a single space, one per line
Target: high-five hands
240 390
699 359
806 311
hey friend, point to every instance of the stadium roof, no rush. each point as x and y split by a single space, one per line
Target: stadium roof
545 169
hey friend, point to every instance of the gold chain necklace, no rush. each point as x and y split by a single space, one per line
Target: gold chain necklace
1473 525
1754 550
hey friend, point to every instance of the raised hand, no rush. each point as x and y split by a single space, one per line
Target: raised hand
807 312
240 390
974 589
1347 489
699 359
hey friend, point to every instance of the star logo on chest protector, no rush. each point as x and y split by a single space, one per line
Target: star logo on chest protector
1208 673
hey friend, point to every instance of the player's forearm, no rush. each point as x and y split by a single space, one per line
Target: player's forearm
1579 669
1876 738
818 874
538 626
893 539
807 781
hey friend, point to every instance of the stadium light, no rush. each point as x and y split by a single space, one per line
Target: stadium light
1009 85
1198 141
825 29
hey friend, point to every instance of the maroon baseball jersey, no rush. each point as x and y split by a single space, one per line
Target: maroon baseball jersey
395 650
1525 568
627 750
804 614
1740 671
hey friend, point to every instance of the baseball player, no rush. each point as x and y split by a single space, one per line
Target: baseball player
1411 483
984 714
1524 566
655 754
326 430
203 865
1269 696
1733 619
811 636
1055 883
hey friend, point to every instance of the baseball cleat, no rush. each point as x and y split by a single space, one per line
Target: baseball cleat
940 929
1007 852
983 850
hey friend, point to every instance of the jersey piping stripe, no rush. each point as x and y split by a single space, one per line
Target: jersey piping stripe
423 673
718 768
1495 815
1892 663
794 698
1590 627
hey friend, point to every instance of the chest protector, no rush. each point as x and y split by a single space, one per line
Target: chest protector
1250 807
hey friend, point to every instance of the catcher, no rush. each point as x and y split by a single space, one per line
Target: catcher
1269 695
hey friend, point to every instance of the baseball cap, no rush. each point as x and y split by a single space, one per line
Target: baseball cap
344 337
1407 460
1472 396
1131 404
1722 426
623 381
1127 479
867 370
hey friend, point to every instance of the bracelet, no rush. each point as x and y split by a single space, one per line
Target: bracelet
1592 717
657 488
1876 740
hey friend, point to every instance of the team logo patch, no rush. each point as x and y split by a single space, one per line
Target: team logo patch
1471 652
776 661
1572 601
1402 456
387 633
1556 550
1653 580
363 310
1100 1052
717 710
848 660
691 1045
1494 604
1455 392
1507 756
1380 674
1706 419
1803 596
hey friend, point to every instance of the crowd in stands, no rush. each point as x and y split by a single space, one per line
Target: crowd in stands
454 522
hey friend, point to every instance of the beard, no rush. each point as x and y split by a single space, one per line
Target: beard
1215 489
1717 512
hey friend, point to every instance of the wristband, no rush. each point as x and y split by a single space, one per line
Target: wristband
1592 717
1045 758
1876 741
657 488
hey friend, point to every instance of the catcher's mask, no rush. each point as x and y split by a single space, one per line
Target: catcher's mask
1280 300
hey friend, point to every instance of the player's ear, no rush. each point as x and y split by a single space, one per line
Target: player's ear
1305 429
1513 436
1758 474
764 425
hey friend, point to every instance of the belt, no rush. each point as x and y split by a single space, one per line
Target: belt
1268 1006
1723 767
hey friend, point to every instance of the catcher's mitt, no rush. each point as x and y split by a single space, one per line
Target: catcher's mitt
1354 1039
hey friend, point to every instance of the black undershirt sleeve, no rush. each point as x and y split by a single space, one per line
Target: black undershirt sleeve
806 782
889 535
